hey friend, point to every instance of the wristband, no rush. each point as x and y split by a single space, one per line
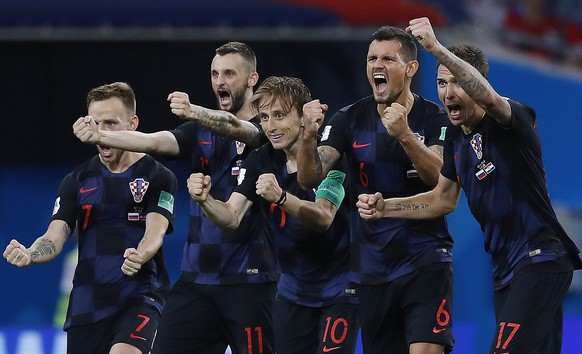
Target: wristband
331 188
282 199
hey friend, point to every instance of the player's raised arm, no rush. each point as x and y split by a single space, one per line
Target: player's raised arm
218 122
88 131
467 76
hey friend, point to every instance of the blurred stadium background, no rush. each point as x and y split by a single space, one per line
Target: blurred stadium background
52 53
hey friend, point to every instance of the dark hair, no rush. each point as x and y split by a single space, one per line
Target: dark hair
389 33
471 55
243 50
120 90
291 92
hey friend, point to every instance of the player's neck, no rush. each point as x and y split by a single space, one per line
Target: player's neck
291 154
245 112
405 99
125 161
473 122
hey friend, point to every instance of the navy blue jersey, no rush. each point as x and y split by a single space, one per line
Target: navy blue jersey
501 171
314 266
213 256
388 248
109 210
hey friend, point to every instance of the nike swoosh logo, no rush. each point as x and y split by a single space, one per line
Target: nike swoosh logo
358 146
205 142
327 350
83 190
136 337
438 330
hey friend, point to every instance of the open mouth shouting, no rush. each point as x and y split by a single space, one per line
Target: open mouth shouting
380 82
105 151
454 111
224 98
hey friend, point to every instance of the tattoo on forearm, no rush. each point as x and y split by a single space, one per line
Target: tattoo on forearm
410 206
473 85
225 124
215 121
66 231
44 247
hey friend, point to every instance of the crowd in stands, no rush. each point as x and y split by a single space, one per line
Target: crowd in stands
547 29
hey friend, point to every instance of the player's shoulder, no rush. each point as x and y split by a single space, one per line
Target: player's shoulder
90 167
427 107
359 106
149 163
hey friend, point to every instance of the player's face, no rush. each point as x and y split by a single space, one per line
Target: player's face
386 70
282 128
462 110
230 81
110 115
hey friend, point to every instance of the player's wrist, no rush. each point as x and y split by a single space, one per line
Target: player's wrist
282 198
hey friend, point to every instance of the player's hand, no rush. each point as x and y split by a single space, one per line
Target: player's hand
422 30
394 119
268 187
180 105
15 253
313 115
370 206
133 262
86 130
199 187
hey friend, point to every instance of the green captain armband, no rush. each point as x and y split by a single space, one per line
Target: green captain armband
331 188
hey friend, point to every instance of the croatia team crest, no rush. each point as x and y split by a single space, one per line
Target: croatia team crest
138 189
477 145
240 147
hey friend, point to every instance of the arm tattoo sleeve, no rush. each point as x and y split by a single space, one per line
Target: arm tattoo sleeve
44 247
215 121
410 206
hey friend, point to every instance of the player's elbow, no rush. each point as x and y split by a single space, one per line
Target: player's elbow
231 226
307 183
321 227
447 206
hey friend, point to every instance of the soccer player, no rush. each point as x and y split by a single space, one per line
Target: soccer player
122 204
494 154
392 141
316 307
226 289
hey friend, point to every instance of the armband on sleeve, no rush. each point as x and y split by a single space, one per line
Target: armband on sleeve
331 188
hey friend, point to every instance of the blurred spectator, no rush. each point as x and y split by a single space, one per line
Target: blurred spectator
571 13
495 10
534 27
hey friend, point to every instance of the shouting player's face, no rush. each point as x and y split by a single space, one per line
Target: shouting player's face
111 115
462 110
388 71
231 81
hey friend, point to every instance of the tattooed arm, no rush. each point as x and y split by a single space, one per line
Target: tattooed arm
43 250
469 78
437 202
314 163
218 122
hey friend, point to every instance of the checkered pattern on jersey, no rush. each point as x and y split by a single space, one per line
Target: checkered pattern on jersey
101 204
314 266
501 171
389 248
213 256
